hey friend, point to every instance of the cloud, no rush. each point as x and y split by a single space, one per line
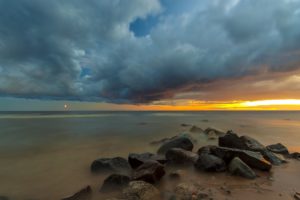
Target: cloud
79 50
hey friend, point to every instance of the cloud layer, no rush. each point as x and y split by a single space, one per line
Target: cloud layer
85 50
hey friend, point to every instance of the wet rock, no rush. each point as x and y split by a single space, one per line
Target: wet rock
278 148
140 190
83 194
297 196
232 140
181 157
253 159
150 171
295 155
136 160
196 129
115 182
117 164
185 125
215 131
239 168
205 149
211 135
174 176
178 142
210 163
4 198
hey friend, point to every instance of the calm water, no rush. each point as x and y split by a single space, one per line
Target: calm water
46 155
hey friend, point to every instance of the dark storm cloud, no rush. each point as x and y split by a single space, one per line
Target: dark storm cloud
84 50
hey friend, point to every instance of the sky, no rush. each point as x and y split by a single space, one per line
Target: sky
150 55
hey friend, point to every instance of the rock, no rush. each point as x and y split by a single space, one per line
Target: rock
150 171
297 196
174 176
116 164
238 167
115 182
185 191
178 142
83 194
140 190
4 198
135 160
181 157
205 149
232 140
211 135
211 163
185 125
253 159
295 155
278 148
271 157
215 131
196 129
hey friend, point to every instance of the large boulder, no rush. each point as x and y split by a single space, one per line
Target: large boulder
210 163
239 168
232 140
84 194
178 142
136 160
278 148
181 157
117 164
251 158
115 182
150 171
140 190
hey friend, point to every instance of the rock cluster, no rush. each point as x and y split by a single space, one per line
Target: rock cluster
136 176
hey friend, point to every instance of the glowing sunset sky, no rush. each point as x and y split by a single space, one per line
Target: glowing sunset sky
150 55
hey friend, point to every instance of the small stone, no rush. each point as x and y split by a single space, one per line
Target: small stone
140 190
238 167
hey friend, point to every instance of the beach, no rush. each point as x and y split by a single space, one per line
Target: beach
47 155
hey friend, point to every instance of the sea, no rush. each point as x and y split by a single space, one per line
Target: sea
47 155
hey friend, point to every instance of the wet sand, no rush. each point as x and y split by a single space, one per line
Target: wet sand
49 158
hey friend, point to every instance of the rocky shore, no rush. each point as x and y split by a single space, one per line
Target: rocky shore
136 177
139 176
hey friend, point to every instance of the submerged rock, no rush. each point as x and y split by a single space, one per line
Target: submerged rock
238 167
140 190
196 129
136 160
115 182
253 159
83 194
181 157
210 163
117 164
214 131
150 171
278 148
178 142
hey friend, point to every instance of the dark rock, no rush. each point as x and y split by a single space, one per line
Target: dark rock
185 125
297 196
215 131
278 148
135 160
295 155
232 140
150 171
4 198
174 176
116 164
140 190
238 167
115 182
178 142
210 163
83 194
205 149
253 159
271 157
196 129
181 157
